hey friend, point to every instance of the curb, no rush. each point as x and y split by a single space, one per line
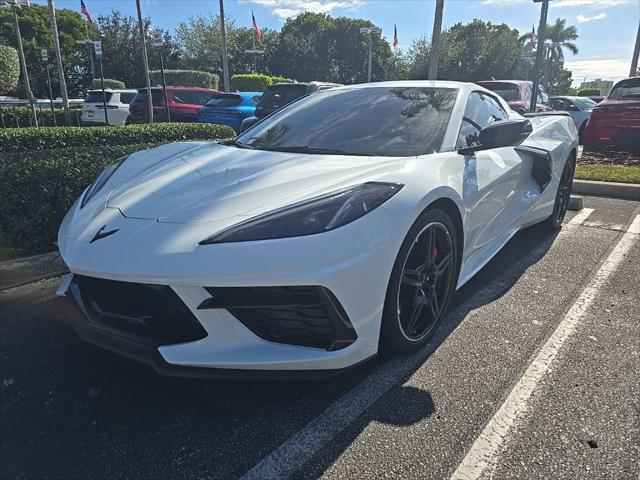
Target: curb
14 273
624 191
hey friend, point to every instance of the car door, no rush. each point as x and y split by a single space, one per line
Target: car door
496 184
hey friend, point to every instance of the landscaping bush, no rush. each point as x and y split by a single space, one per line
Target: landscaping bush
255 82
21 117
185 78
9 69
36 190
47 138
108 83
589 92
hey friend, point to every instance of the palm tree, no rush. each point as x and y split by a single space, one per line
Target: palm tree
561 37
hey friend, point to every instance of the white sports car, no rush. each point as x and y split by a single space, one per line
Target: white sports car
336 227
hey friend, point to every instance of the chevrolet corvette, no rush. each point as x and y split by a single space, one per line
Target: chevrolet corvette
333 229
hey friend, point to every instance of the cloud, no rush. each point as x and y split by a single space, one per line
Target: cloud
583 19
607 69
502 2
284 9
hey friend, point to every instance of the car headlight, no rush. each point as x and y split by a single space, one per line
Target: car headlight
311 216
102 179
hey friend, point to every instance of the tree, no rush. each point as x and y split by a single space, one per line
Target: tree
121 49
476 51
36 35
9 69
316 46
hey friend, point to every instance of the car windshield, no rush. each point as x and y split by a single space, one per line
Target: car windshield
383 121
224 100
279 95
584 103
508 91
626 90
96 97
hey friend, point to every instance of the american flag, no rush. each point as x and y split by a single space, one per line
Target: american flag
256 28
85 12
534 38
395 37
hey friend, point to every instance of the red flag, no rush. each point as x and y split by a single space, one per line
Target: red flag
256 28
85 12
395 37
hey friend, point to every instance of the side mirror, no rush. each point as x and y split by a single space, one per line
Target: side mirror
247 123
506 133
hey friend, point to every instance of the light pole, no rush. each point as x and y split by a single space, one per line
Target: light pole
368 31
16 5
636 53
223 42
434 56
145 60
158 42
544 10
56 47
45 61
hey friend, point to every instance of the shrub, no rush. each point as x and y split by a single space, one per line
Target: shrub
47 138
185 78
21 117
108 83
255 82
9 69
36 190
587 92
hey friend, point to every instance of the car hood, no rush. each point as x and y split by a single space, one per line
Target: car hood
208 182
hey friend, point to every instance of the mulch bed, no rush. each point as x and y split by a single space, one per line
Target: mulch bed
610 157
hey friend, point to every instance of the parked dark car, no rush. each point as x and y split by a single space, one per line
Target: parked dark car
517 93
596 98
615 122
184 103
278 95
229 108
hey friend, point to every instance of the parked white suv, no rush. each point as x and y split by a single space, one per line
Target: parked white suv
117 106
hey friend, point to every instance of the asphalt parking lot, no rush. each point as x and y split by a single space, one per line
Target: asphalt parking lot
535 373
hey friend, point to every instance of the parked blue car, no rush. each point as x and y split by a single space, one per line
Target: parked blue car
229 108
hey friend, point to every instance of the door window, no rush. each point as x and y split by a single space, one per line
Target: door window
481 111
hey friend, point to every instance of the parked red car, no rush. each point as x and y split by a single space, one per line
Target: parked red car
184 103
615 122
517 94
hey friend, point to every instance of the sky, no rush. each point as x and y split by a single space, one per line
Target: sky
607 28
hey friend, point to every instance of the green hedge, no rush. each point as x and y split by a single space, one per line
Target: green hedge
9 69
36 191
255 82
588 92
108 83
19 117
47 138
185 78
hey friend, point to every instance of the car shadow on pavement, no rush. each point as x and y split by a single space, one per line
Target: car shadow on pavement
70 410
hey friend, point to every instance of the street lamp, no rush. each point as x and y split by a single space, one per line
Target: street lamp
368 31
16 5
158 42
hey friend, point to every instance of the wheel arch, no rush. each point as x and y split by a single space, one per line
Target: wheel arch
450 207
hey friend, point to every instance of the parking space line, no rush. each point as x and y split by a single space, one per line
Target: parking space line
290 456
581 216
484 451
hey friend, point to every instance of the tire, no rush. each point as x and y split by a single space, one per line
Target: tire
415 281
563 194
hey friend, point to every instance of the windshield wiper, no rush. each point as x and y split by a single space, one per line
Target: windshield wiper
316 150
235 143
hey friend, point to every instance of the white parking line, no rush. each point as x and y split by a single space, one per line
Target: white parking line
484 451
289 457
581 216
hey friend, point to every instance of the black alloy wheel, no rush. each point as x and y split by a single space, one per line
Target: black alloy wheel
563 194
423 280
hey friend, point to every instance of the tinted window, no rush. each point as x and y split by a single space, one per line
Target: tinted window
126 97
221 100
96 96
385 121
191 98
279 95
156 94
626 90
481 111
561 104
584 103
509 91
542 96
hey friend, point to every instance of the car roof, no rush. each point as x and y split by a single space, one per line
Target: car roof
410 83
515 82
172 87
113 90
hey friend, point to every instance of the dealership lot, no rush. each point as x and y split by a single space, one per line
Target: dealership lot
70 410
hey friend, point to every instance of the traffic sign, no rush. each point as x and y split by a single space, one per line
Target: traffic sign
45 55
158 41
97 46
